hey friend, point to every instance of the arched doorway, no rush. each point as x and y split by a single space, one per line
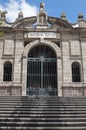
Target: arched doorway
42 71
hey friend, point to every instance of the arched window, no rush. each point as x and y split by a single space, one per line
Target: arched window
7 71
76 77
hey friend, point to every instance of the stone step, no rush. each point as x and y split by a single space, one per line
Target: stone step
40 123
42 99
43 128
40 119
45 97
58 99
37 104
38 115
43 109
39 107
43 112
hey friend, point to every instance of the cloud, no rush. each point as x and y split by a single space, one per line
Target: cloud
14 6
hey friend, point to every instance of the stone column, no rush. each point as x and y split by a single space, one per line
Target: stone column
83 44
66 62
1 62
24 76
17 61
59 76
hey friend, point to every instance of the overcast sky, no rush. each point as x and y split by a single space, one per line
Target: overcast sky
52 7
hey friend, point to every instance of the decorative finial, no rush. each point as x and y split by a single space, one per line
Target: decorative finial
20 14
42 5
63 16
3 15
80 16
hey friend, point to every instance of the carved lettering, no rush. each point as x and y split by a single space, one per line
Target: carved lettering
42 35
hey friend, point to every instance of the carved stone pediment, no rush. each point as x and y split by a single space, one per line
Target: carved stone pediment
42 20
25 22
53 22
58 22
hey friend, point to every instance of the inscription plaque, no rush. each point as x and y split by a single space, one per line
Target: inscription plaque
42 35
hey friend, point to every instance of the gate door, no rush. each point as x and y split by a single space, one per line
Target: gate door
41 72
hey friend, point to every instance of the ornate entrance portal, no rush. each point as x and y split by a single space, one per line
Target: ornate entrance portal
41 71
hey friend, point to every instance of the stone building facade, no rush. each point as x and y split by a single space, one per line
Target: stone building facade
42 55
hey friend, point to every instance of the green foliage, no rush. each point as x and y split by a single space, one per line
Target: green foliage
0 22
1 32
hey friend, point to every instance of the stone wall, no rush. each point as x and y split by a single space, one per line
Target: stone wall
1 61
68 51
66 62
17 61
10 91
83 44
9 47
75 48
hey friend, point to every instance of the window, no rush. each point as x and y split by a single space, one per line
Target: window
7 71
76 72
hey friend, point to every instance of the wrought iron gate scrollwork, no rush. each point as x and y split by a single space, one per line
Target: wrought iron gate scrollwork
41 72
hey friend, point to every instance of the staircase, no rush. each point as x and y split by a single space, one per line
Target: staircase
42 113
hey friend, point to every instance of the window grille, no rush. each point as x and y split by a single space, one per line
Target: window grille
7 72
76 72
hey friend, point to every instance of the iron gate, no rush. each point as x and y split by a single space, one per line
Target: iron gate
41 76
